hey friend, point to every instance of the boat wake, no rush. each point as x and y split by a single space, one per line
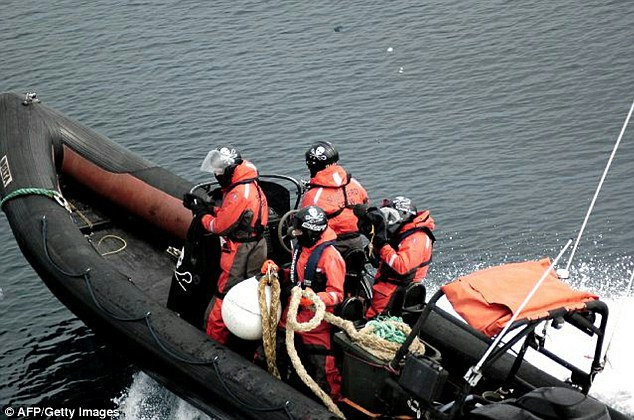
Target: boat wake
145 399
613 386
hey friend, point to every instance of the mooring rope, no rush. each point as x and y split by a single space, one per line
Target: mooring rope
293 325
269 318
56 195
369 338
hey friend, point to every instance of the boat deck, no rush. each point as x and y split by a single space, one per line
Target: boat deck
133 246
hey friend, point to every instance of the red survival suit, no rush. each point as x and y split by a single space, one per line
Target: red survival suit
327 282
240 222
335 191
403 260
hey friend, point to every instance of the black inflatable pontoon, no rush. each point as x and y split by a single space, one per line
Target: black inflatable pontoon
97 222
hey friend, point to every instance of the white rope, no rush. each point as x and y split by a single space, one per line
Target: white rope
473 375
596 194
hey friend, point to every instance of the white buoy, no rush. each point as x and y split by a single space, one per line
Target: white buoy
241 309
390 49
400 70
563 273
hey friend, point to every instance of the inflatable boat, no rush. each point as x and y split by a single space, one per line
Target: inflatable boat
105 229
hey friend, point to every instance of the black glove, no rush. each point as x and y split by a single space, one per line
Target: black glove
372 255
364 221
216 196
379 240
195 204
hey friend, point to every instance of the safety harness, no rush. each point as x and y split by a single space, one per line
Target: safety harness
311 278
346 204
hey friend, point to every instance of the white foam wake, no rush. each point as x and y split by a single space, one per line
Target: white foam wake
145 399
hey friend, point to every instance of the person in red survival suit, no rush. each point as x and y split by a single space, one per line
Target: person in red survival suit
336 192
402 244
239 220
317 265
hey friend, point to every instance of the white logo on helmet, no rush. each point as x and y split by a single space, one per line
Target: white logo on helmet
228 156
403 204
315 220
318 153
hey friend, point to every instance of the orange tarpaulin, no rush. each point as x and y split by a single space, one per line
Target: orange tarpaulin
488 298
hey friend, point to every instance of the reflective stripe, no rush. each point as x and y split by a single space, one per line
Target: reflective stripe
247 189
319 191
337 178
392 260
334 297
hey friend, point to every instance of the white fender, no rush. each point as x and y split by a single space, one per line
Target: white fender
241 310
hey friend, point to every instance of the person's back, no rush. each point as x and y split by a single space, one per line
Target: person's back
336 192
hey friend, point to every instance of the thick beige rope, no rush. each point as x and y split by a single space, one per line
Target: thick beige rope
269 319
380 348
377 346
291 326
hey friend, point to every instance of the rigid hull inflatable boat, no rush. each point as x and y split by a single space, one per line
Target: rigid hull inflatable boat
103 229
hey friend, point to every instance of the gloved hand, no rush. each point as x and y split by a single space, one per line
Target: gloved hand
364 220
195 204
216 195
269 265
305 302
380 234
372 255
360 210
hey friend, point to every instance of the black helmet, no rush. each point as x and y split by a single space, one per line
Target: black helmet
309 224
320 155
221 162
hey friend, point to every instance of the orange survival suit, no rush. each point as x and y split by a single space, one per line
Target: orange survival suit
327 281
240 222
403 260
336 192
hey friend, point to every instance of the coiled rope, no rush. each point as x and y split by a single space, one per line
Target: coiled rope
366 337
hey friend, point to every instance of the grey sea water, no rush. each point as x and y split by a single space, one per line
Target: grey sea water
497 116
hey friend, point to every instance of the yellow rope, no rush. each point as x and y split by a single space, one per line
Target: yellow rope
370 244
81 215
125 244
269 319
